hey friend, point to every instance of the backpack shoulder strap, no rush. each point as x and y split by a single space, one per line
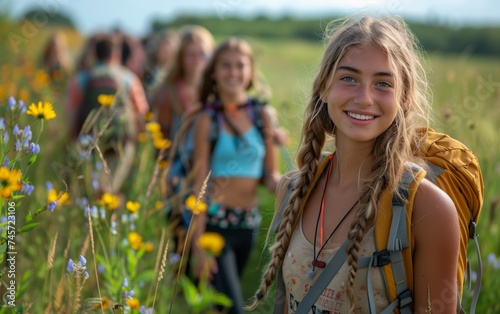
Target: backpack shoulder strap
255 108
392 234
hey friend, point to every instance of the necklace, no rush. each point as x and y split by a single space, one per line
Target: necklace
316 262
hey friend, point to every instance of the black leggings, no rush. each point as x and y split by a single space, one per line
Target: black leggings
231 262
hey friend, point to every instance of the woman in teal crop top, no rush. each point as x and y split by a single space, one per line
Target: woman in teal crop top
240 160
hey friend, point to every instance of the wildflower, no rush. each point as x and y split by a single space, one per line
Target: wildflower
11 103
212 242
28 189
16 131
101 268
95 184
141 137
133 303
22 107
163 164
18 145
174 258
133 206
51 206
105 304
160 143
153 127
195 205
43 111
113 227
109 200
48 185
149 247
125 282
158 205
5 136
27 132
10 181
83 261
144 310
149 116
93 211
105 100
71 266
135 240
62 198
2 124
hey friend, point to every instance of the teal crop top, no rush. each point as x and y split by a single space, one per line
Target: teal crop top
238 157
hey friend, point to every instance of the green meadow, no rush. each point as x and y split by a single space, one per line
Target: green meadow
466 97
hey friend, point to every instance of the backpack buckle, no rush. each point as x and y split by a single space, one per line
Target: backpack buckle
405 298
472 229
381 258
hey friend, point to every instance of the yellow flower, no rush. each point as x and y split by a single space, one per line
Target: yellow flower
133 206
135 240
60 198
133 303
105 304
105 100
153 127
149 116
141 137
163 164
42 111
149 246
109 200
160 143
212 242
195 205
158 205
10 181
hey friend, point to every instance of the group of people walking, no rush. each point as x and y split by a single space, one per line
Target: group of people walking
369 94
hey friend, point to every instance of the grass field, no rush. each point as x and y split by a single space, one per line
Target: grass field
466 99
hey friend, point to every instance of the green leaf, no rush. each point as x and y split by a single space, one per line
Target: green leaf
16 197
190 291
28 227
29 217
32 160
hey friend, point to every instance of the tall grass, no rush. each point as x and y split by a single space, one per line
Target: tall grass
126 250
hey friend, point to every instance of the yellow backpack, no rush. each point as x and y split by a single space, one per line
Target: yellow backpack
454 169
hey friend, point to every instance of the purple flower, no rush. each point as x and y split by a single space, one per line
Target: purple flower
34 148
83 261
93 211
52 206
48 185
16 131
11 103
85 275
144 310
22 107
27 132
101 268
71 266
125 282
2 124
5 162
5 136
28 188
18 145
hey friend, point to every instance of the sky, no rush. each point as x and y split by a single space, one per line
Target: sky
135 16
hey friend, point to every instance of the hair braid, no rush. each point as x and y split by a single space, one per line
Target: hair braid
307 160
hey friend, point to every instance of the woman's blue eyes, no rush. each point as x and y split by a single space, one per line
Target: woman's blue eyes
352 80
348 79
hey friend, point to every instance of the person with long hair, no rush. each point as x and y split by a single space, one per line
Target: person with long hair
370 95
178 95
242 158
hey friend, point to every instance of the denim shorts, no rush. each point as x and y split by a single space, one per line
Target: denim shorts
233 218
